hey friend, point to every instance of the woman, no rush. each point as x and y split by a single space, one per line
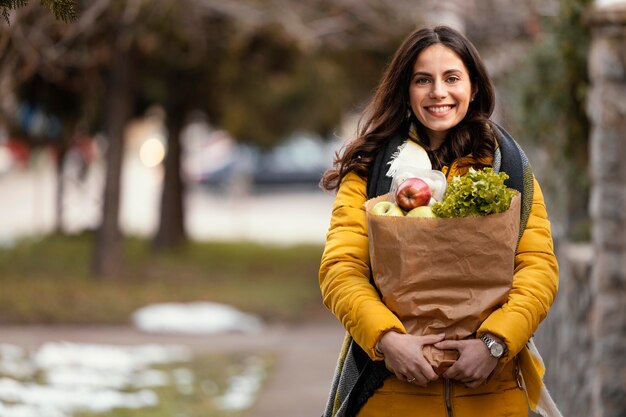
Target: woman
436 92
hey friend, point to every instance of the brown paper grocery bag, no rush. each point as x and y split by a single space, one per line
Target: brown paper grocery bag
443 275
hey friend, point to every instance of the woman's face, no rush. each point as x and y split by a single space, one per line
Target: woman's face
440 91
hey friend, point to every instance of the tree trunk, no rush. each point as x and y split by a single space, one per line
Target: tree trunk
171 232
60 188
107 257
69 127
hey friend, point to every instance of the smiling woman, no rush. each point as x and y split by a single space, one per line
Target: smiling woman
434 99
440 91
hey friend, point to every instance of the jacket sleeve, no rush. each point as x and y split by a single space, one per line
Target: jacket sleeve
345 271
535 283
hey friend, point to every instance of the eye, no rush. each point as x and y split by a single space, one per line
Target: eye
453 79
422 81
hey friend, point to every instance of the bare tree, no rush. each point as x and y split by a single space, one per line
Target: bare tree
73 58
193 52
37 73
204 46
61 9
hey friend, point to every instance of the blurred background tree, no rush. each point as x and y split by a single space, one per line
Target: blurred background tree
49 98
547 95
263 70
61 9
248 66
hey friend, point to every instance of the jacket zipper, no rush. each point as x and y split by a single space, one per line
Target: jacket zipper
447 388
519 378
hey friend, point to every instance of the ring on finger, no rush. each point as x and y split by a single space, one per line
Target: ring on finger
411 380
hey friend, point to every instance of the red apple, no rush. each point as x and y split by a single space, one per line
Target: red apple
411 193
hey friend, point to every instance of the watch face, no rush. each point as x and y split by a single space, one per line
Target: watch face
497 350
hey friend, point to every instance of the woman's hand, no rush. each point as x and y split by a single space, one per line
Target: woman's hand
474 365
403 356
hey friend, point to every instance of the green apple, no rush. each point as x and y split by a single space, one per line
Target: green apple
421 211
387 208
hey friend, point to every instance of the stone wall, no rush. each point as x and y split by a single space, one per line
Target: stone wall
607 111
564 338
583 340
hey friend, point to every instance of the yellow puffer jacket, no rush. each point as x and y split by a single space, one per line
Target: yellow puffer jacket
347 292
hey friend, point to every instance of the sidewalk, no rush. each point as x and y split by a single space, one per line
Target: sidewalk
301 381
298 387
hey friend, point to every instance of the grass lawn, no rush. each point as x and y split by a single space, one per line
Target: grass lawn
47 280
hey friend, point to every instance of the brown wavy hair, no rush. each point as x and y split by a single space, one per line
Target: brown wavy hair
386 114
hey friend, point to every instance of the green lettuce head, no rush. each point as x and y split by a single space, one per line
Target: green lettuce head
478 193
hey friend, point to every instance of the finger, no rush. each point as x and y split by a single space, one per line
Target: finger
430 374
420 380
474 384
453 372
389 367
403 373
430 377
471 378
426 369
417 379
448 344
401 377
431 339
450 375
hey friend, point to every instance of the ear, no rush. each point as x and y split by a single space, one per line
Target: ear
474 92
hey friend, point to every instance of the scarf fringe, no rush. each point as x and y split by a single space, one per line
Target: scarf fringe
545 406
409 154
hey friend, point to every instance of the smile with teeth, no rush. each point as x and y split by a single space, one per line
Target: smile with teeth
438 109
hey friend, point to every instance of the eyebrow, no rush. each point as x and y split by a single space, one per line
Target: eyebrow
446 72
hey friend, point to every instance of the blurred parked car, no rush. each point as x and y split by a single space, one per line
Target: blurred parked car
299 161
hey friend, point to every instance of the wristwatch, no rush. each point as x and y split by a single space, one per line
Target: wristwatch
495 349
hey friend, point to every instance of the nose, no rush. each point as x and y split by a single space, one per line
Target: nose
438 90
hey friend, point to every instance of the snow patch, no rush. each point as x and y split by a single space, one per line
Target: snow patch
61 378
195 318
76 377
65 401
242 388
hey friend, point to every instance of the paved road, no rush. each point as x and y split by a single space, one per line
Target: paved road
298 387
